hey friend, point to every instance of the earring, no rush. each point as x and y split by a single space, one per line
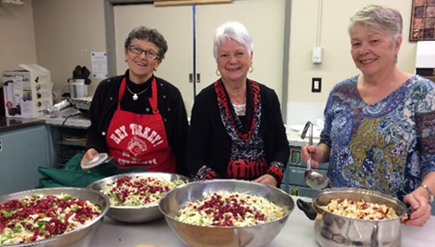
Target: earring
395 59
218 73
251 69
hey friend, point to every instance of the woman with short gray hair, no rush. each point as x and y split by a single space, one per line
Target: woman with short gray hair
236 128
379 132
150 34
137 118
380 18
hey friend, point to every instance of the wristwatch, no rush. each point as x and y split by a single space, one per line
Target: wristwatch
429 192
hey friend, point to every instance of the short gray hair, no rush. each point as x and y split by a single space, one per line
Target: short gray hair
149 34
233 30
380 18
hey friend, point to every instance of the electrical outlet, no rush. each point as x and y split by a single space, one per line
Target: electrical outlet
316 85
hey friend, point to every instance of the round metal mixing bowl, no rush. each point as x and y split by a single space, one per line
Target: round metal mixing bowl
335 230
332 230
80 237
135 214
228 236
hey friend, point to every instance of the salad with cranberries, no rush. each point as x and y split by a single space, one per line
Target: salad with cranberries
138 191
39 217
225 208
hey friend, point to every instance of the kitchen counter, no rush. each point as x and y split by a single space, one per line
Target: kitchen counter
294 139
7 124
74 121
79 121
298 231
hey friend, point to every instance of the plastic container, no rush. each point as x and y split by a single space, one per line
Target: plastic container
78 88
96 161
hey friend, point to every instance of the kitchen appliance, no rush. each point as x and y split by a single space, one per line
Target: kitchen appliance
22 88
2 103
12 101
333 230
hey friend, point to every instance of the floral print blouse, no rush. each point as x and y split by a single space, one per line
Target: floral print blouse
388 146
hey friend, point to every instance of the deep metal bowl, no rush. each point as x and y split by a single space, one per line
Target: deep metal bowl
80 237
135 214
335 230
228 236
323 197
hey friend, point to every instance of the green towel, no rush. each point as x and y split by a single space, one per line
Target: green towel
72 175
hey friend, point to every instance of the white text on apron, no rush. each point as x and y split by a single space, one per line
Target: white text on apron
136 130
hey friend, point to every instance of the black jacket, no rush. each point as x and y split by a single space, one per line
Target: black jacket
170 105
209 144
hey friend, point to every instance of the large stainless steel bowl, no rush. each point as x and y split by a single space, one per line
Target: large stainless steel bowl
135 214
333 230
80 237
228 236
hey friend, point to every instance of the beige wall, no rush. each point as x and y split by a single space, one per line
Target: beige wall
66 31
17 38
337 63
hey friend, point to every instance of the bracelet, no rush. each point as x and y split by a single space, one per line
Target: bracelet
429 192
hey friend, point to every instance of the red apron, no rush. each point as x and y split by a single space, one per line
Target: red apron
139 140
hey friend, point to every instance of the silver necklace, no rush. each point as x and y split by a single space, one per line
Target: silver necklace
136 95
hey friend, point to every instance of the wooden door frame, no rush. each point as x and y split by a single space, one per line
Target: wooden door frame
111 49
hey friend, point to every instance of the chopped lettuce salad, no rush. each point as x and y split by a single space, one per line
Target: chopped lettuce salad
138 191
39 217
230 209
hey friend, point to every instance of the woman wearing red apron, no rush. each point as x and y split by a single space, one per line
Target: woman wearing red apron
139 119
139 140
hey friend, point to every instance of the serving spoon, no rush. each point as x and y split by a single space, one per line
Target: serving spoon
315 180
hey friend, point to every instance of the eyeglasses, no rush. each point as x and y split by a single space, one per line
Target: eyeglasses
149 54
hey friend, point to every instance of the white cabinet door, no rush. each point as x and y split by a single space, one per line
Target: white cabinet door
264 19
175 24
23 151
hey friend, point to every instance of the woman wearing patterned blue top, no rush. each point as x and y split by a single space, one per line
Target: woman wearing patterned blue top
379 128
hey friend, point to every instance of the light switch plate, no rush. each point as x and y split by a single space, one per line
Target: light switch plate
316 85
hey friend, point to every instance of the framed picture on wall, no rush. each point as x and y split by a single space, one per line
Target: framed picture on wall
422 20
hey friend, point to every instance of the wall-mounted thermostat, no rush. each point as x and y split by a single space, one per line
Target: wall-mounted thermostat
317 55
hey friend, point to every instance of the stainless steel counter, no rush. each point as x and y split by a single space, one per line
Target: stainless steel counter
297 232
75 121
